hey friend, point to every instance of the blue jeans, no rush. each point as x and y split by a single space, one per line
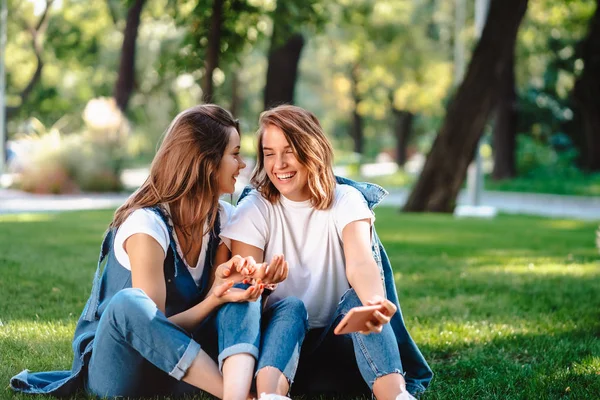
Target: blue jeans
138 352
327 363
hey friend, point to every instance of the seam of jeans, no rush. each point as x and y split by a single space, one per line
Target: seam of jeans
186 360
367 356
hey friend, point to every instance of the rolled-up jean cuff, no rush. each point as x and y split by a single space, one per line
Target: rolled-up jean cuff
237 349
186 360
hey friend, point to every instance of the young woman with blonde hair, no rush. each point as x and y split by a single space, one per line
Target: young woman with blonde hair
324 226
149 326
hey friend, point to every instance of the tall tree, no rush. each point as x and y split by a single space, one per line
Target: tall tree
126 79
282 70
284 56
585 93
289 18
211 62
403 121
453 149
37 31
357 119
504 135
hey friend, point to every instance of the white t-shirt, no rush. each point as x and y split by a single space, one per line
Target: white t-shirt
310 240
146 221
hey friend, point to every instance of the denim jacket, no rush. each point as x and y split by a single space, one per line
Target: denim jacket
418 374
182 293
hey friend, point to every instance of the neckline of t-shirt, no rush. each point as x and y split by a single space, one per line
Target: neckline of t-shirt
167 210
295 204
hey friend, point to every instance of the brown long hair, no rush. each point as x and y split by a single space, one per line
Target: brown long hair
311 147
183 173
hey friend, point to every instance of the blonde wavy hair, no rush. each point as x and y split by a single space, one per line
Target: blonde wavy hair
183 174
310 146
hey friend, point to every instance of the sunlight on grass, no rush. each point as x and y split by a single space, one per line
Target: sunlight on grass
564 224
588 366
33 217
36 330
506 308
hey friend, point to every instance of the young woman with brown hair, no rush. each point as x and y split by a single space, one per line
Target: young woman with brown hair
325 228
153 305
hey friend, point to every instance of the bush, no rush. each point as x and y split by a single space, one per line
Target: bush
91 160
537 159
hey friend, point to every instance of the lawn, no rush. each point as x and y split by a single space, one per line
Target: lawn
503 309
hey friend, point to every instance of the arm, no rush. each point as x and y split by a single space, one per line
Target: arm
361 269
363 274
147 273
245 250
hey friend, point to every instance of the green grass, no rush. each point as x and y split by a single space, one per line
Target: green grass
502 309
580 185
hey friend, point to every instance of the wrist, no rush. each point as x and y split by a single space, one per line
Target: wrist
213 300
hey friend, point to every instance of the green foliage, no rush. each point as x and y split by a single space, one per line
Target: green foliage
503 308
538 159
91 160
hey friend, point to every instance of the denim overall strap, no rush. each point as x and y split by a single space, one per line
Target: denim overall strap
211 252
89 313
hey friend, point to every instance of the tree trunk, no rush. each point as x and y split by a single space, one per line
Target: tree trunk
357 120
126 79
454 147
37 33
505 128
282 71
586 90
403 121
213 50
234 107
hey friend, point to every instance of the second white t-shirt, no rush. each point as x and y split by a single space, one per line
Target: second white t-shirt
146 221
310 240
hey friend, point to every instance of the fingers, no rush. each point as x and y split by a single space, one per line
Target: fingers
276 271
221 289
246 265
374 328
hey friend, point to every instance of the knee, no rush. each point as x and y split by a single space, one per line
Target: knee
293 307
129 303
292 310
238 312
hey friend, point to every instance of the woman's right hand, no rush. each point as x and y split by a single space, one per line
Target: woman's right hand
226 293
236 269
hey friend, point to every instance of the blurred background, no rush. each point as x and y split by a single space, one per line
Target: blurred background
409 91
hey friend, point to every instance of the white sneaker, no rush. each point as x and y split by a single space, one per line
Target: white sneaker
405 396
272 396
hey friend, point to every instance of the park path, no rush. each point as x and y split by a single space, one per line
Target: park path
556 206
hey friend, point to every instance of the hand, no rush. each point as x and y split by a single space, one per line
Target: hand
379 317
274 272
226 293
236 269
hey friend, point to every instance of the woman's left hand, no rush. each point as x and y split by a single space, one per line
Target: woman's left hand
379 317
274 272
236 269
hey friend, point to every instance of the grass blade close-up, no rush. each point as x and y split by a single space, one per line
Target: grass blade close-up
506 308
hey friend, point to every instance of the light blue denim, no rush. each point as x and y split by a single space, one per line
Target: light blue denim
284 325
376 355
139 352
417 372
124 346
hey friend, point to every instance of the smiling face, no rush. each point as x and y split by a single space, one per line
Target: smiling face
284 170
231 164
